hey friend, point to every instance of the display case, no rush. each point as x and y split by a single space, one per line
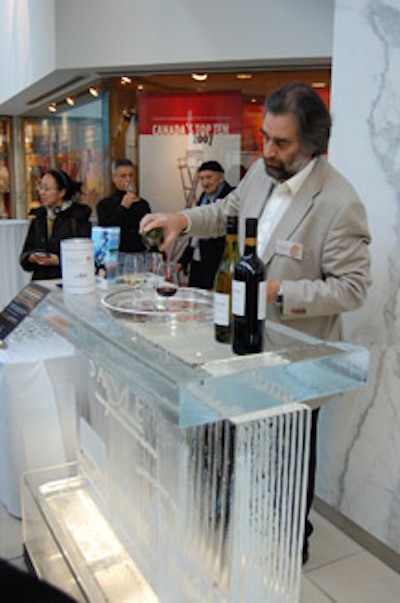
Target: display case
5 137
76 140
192 462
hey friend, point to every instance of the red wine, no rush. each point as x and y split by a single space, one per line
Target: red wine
223 284
249 297
166 290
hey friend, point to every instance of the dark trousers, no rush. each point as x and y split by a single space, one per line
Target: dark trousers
312 466
24 586
200 276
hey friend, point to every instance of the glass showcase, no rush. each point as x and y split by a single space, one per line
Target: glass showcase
166 124
4 168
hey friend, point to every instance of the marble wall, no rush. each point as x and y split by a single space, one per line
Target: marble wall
359 437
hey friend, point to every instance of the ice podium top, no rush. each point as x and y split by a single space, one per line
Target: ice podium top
172 361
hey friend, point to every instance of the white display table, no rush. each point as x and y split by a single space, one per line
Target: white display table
12 277
37 406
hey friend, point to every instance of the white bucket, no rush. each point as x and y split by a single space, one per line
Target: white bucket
77 265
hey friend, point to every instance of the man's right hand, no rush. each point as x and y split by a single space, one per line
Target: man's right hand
128 199
172 225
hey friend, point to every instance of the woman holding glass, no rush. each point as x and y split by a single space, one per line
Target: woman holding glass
59 217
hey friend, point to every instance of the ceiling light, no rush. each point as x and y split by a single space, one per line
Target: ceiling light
94 92
140 87
52 107
125 80
318 84
244 76
199 77
70 101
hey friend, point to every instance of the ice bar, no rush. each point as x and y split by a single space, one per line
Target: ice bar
192 462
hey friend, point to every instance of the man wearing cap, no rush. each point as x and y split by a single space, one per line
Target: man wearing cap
202 256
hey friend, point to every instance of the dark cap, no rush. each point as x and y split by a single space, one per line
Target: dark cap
213 166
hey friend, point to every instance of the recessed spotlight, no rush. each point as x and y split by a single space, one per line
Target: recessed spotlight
52 107
199 77
125 80
318 85
70 101
94 92
140 87
244 76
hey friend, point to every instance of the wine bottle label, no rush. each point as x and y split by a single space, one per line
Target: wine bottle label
238 298
221 309
262 300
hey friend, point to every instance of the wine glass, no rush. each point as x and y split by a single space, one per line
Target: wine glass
155 263
167 283
134 268
131 188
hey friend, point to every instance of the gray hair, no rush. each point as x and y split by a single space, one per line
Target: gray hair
121 162
312 115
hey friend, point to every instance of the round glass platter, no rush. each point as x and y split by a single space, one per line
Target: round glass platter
147 305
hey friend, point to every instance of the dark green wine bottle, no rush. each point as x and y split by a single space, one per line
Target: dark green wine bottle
249 297
153 239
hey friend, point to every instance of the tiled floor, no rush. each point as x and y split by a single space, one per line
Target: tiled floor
341 571
338 571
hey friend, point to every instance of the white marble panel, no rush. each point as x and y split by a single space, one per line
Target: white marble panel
359 438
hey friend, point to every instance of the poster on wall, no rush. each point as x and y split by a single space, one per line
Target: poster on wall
177 133
252 139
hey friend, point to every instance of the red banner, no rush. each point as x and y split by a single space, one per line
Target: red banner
189 114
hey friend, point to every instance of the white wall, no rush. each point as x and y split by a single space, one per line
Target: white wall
27 44
134 32
69 37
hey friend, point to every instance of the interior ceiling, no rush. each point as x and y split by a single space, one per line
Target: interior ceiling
258 83
254 85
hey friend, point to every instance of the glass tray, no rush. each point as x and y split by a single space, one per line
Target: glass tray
146 304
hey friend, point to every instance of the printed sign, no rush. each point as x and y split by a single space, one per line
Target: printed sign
178 132
22 305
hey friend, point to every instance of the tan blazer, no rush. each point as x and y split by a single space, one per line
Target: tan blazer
319 249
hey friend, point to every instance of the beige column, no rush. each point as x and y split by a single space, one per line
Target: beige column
18 169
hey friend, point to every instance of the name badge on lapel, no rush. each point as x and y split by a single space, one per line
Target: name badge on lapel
290 249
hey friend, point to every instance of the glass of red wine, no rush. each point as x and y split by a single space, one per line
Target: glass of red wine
166 284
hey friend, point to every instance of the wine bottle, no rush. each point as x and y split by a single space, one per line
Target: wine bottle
223 284
153 239
249 297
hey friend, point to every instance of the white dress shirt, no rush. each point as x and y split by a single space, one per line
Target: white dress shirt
277 203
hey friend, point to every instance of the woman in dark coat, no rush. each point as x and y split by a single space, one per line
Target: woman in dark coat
58 218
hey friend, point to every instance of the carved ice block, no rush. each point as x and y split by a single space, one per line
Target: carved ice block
197 458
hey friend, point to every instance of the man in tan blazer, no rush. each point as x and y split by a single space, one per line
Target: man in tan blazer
313 234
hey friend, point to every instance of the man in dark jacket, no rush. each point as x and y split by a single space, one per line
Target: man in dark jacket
124 208
202 256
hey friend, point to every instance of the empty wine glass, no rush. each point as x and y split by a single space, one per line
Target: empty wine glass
155 263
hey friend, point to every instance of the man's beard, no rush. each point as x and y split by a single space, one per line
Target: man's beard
283 172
